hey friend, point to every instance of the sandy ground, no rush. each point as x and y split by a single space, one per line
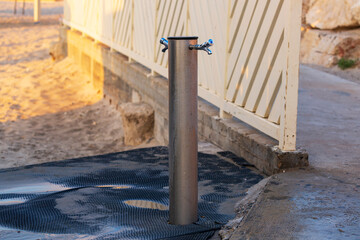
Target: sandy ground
48 110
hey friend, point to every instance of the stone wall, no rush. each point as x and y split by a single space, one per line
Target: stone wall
330 32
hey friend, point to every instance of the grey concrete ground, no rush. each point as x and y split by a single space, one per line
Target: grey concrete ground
322 201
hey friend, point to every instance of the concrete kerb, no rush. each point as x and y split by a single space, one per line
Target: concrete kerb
242 209
229 134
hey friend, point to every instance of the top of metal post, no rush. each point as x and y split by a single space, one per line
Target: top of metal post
183 38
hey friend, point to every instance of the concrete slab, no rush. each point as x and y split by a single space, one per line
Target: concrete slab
304 205
329 122
322 201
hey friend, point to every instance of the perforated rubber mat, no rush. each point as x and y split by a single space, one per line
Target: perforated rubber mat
116 196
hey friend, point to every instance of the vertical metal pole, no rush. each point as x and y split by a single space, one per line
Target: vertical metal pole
37 10
23 10
183 141
15 6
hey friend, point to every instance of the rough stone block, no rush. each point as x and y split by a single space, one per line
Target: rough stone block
326 47
332 14
138 122
58 50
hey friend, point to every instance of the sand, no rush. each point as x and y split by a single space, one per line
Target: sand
48 110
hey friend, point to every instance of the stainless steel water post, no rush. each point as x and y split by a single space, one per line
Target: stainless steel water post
183 140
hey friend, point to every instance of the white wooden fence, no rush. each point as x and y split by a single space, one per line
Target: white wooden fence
253 73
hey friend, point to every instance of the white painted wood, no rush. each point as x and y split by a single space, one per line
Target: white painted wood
259 123
271 87
235 50
252 74
275 111
243 74
37 10
270 67
287 138
144 28
206 21
261 43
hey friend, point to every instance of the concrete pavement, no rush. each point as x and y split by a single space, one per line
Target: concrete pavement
322 201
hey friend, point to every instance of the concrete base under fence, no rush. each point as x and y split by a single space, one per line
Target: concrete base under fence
123 80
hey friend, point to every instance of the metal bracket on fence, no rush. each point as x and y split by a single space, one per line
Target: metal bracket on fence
183 140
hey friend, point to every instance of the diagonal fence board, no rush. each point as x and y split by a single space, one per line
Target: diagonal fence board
261 44
270 65
254 61
170 21
122 23
144 27
210 23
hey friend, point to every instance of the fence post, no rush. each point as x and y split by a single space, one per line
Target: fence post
287 140
37 11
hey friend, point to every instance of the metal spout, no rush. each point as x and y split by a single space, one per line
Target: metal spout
209 52
164 42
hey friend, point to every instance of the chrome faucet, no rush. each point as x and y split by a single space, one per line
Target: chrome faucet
204 46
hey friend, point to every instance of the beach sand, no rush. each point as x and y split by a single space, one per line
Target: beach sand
48 110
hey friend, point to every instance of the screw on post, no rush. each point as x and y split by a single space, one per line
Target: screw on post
183 130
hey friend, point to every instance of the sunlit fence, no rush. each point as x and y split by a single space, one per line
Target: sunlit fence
253 73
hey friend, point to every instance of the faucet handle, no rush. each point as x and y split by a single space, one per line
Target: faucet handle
204 46
209 43
164 42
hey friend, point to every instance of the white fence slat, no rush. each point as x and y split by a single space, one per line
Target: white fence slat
266 67
275 113
271 88
234 72
241 15
246 53
261 43
106 28
122 26
144 27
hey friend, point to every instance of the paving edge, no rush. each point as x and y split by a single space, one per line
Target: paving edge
243 208
123 80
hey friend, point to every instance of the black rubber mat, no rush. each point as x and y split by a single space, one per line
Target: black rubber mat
115 196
